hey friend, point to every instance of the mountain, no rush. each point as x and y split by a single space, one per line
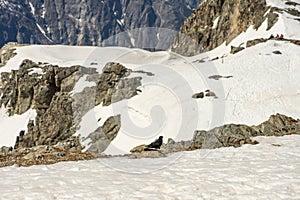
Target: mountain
215 22
87 22
110 100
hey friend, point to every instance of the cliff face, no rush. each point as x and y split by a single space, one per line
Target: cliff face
48 89
217 21
86 22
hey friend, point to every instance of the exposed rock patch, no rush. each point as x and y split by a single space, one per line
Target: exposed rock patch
292 3
207 93
113 85
235 50
254 42
103 136
277 52
218 77
42 155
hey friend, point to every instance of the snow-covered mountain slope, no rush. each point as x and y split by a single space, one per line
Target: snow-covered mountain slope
249 86
269 170
262 83
247 20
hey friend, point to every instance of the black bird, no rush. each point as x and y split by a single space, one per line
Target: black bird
157 143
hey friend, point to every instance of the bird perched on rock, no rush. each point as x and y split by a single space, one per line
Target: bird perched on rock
157 143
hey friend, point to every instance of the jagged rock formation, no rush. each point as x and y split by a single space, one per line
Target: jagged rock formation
230 135
217 21
48 90
17 24
113 86
103 136
86 22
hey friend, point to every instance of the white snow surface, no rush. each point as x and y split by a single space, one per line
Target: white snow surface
269 170
32 8
10 127
43 32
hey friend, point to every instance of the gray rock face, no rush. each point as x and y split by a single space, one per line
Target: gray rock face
237 135
48 89
215 22
103 136
113 85
86 22
49 94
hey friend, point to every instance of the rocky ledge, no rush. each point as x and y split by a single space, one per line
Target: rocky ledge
230 135
41 155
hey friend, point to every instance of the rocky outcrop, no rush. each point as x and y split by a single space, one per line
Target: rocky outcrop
225 136
207 93
217 21
278 125
43 155
230 135
114 85
254 42
48 89
237 135
87 22
103 136
235 50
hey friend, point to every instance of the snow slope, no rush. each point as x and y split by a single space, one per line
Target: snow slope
262 84
269 170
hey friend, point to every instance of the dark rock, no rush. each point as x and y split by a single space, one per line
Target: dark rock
217 77
62 21
198 95
292 3
210 94
235 50
277 52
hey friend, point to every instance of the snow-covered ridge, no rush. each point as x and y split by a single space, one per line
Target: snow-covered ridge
262 84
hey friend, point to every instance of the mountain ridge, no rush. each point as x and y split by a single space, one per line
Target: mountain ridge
86 22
